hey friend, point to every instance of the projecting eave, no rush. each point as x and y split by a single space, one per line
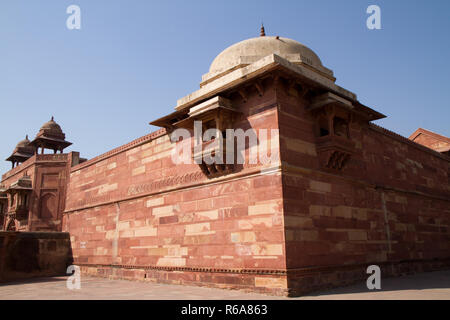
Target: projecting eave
23 183
168 121
50 142
17 156
270 63
369 113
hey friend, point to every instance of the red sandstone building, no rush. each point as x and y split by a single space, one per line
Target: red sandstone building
342 194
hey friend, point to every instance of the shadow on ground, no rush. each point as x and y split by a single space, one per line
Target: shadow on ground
420 281
34 280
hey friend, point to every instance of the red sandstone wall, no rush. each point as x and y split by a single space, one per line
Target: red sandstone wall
136 208
281 232
340 218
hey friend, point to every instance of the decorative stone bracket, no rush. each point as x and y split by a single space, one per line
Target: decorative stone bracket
210 149
334 152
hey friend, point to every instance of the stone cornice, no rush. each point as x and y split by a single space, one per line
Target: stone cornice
269 63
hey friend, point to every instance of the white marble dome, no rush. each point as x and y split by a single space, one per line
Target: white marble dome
260 47
251 50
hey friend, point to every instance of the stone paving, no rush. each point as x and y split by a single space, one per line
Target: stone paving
430 286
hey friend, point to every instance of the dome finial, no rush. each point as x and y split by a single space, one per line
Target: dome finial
53 118
26 137
263 31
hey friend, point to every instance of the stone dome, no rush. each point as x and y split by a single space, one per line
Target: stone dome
51 126
51 136
23 149
23 143
257 48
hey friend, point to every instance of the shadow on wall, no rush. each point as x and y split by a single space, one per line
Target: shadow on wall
34 254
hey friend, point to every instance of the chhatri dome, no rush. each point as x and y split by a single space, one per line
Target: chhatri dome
23 151
51 136
25 143
251 50
52 126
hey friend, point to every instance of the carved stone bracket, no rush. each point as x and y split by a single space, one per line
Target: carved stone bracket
209 150
334 151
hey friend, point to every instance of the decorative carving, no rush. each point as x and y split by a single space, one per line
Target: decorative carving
52 157
337 159
167 182
334 151
187 269
212 149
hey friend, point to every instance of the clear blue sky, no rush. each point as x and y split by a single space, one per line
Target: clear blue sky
132 60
